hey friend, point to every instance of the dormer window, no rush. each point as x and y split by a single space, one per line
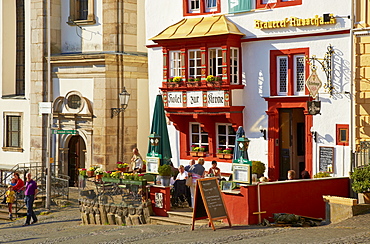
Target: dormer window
197 7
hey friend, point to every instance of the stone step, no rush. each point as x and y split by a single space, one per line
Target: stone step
160 220
184 213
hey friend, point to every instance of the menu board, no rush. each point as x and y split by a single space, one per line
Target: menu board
152 164
242 173
208 201
326 159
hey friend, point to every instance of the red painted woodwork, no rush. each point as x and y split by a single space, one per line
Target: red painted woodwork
202 8
340 127
278 4
274 104
166 199
273 69
301 197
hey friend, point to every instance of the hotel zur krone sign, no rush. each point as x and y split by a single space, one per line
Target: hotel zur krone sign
293 21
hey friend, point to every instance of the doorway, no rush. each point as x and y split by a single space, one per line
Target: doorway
292 141
76 158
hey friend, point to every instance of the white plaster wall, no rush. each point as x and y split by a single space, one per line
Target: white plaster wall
256 70
86 38
17 105
85 86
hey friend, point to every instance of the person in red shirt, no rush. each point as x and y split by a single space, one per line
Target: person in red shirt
17 187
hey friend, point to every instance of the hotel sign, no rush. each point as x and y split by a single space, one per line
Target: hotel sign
294 22
193 99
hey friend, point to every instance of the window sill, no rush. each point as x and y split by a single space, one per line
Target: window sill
81 22
13 149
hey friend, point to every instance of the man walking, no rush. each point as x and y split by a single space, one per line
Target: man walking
30 192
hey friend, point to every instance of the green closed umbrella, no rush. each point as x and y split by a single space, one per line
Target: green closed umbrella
159 127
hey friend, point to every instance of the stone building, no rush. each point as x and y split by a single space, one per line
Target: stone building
97 50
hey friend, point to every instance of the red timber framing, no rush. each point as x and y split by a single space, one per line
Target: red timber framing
206 116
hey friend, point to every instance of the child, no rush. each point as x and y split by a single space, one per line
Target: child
10 196
13 182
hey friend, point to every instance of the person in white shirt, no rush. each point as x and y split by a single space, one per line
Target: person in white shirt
182 175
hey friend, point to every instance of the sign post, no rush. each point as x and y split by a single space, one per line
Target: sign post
208 202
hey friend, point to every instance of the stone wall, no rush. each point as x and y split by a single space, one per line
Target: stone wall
100 214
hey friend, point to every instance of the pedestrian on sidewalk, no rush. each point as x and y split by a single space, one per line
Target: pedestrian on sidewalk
10 196
18 186
30 193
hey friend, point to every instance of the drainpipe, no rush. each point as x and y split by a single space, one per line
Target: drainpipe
352 93
48 137
259 202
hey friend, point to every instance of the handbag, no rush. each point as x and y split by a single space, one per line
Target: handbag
189 181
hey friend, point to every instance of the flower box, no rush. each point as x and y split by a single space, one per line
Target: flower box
112 180
192 83
224 155
198 154
125 169
134 182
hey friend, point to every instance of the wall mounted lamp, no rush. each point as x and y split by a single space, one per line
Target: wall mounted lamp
124 97
264 132
314 135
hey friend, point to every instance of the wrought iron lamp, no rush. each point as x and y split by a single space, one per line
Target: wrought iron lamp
124 97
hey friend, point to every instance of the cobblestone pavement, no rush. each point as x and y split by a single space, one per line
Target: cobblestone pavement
63 225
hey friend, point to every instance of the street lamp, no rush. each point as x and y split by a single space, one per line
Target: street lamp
124 97
154 142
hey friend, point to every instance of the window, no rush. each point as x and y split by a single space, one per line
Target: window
175 63
20 56
236 6
282 76
234 65
288 72
81 12
226 136
215 61
299 75
74 101
342 134
195 64
198 136
277 3
194 7
12 127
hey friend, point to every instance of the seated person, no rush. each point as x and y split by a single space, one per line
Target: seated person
291 174
181 190
214 170
182 175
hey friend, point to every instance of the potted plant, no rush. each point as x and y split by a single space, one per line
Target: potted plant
227 153
90 171
193 82
98 173
361 181
122 166
202 151
258 168
165 172
194 150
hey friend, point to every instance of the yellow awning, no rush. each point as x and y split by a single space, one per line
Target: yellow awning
199 27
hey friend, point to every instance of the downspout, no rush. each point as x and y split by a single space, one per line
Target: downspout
352 93
48 134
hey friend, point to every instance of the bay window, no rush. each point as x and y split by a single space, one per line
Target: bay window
215 61
175 63
234 65
195 64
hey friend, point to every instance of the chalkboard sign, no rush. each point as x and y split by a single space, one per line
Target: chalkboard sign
208 201
326 159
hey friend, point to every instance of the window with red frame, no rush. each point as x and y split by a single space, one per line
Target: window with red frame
288 71
194 7
277 3
342 134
